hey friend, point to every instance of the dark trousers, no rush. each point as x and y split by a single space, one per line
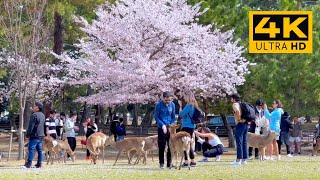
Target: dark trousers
191 153
279 147
252 129
212 151
58 129
241 134
198 146
87 135
72 143
163 140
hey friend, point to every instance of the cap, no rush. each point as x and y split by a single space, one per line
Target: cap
39 104
259 102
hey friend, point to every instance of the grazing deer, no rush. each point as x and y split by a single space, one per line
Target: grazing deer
63 146
151 143
94 143
179 142
261 142
127 145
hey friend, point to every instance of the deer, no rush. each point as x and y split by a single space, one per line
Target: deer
178 143
151 143
127 145
63 146
94 142
261 142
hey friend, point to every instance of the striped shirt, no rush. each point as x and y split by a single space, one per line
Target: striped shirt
51 124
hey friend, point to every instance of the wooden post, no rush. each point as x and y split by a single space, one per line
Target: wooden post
10 143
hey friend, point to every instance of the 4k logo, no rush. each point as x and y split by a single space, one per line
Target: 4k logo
280 32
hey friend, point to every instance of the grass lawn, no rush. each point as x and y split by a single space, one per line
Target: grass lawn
298 167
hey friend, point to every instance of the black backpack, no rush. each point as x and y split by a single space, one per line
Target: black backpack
197 116
247 111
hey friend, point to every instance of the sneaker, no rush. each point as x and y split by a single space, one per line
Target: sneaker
218 158
195 154
244 162
38 166
69 159
204 159
88 158
250 158
290 155
184 165
26 166
256 157
161 166
299 153
278 158
193 164
235 163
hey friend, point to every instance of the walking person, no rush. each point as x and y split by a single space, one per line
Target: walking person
35 133
121 130
50 125
186 124
241 132
259 114
274 118
164 116
70 131
90 127
114 124
211 144
285 126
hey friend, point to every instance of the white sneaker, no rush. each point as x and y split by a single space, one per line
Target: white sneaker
195 154
278 158
235 163
250 158
204 159
218 158
244 162
290 155
69 159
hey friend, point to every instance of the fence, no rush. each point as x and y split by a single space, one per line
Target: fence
140 131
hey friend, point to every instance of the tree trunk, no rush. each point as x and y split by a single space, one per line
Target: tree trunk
20 131
27 113
230 131
57 36
86 110
135 115
205 107
103 114
110 115
147 119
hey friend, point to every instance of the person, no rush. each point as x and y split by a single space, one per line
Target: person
241 132
211 144
186 125
164 116
285 126
316 134
70 131
59 125
63 118
259 114
121 130
295 135
35 133
115 122
89 128
274 118
51 125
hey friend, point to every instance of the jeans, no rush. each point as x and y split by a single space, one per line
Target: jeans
191 153
120 138
34 144
212 151
241 134
163 140
72 143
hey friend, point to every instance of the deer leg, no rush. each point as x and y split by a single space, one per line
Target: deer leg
138 159
117 157
48 158
102 155
152 155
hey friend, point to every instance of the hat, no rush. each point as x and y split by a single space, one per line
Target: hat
39 104
259 102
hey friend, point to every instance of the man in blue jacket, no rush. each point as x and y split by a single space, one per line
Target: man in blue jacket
164 116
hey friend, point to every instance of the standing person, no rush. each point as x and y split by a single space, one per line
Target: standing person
51 125
295 135
186 125
274 118
285 126
70 131
89 128
115 122
241 132
62 123
59 124
35 133
121 130
164 116
259 114
211 144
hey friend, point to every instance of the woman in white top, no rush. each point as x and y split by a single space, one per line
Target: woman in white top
211 144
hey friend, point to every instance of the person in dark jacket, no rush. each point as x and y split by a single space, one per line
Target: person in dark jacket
115 122
259 114
121 130
164 116
285 126
35 133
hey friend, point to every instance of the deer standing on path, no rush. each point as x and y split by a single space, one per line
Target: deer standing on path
94 143
151 144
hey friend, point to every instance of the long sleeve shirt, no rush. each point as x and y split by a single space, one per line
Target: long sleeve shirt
69 126
186 113
274 118
165 114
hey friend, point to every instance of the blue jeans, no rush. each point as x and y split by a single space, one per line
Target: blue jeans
241 134
120 138
35 144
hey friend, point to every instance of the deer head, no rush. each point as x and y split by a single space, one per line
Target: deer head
109 141
173 128
273 134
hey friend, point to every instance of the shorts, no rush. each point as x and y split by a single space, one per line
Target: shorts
294 139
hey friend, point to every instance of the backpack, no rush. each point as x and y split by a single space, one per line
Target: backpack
247 111
119 130
197 116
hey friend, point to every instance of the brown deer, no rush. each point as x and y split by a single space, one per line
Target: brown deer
94 143
127 145
179 142
151 144
63 146
316 146
261 142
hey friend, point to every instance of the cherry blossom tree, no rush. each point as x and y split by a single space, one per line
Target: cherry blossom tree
135 49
